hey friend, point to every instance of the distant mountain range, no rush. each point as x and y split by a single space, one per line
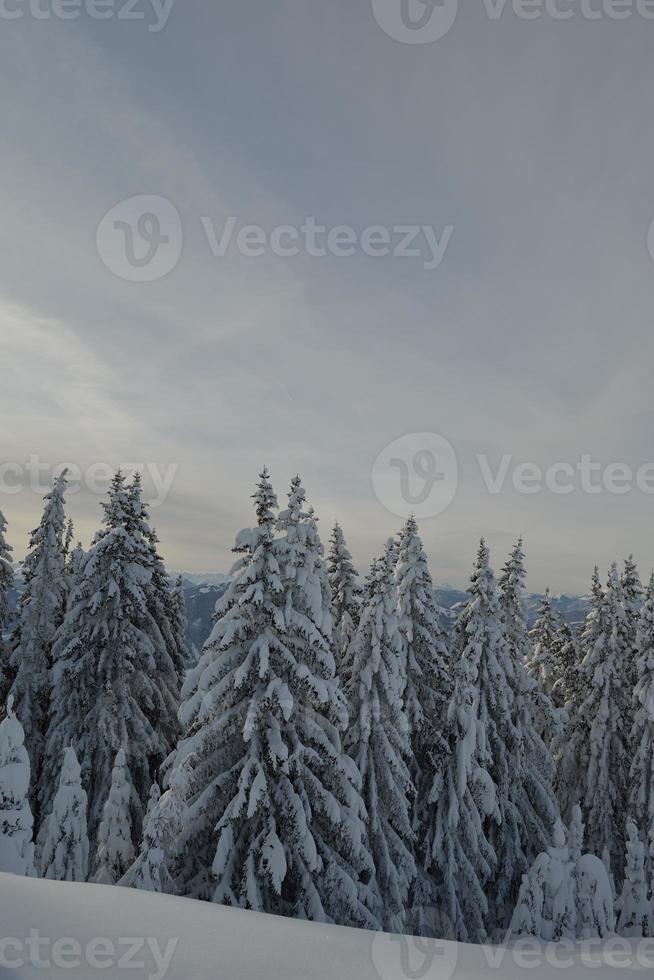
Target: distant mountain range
203 591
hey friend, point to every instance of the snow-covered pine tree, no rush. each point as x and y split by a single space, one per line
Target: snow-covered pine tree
465 797
16 824
378 741
570 748
426 698
179 623
567 689
171 657
108 689
6 584
564 897
162 827
632 597
346 600
543 665
641 795
634 905
115 851
275 820
76 559
65 850
547 902
526 798
600 733
40 613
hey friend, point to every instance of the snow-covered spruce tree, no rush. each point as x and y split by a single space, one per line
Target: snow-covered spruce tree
75 565
571 747
162 827
641 795
547 902
6 584
378 741
171 657
524 774
464 797
601 729
178 625
543 665
634 904
65 850
563 897
346 600
109 656
426 698
567 689
115 851
632 597
275 820
40 613
16 824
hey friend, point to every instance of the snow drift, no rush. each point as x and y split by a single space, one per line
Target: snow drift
117 933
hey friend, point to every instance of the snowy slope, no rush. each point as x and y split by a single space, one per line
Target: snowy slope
226 944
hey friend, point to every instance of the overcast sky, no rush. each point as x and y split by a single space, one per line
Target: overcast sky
531 140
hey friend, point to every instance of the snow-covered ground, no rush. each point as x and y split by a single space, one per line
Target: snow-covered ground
94 930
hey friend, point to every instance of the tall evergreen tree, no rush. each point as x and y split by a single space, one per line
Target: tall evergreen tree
178 624
632 596
378 740
6 584
275 820
465 796
40 613
530 814
65 851
426 699
570 748
170 649
16 839
598 736
163 825
115 850
634 904
109 689
543 665
346 600
567 689
641 797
